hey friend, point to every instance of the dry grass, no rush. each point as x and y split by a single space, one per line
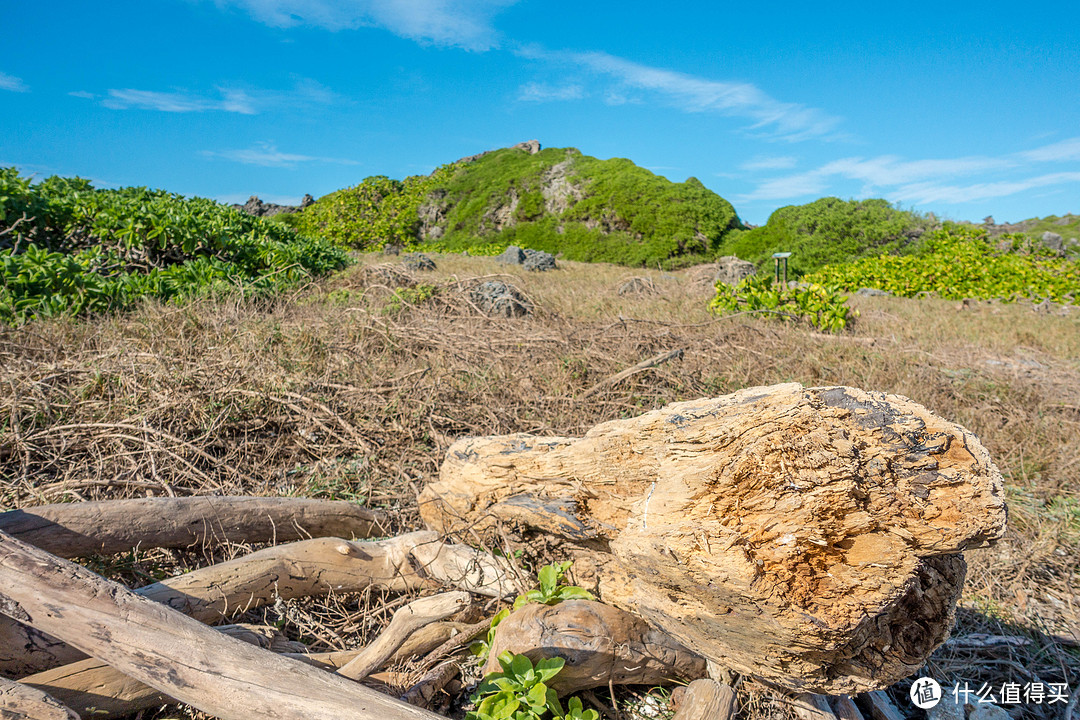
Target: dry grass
345 391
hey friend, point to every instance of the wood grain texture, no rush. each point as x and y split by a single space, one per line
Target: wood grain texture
807 536
22 702
706 699
107 527
175 654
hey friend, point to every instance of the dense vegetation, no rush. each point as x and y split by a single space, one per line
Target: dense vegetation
555 200
379 211
829 231
68 248
959 262
824 308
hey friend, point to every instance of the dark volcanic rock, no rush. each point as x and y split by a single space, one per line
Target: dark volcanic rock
258 208
512 255
495 297
539 261
730 270
418 261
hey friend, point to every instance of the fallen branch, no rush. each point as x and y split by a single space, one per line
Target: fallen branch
423 693
809 706
467 568
22 702
643 365
113 526
173 653
405 621
846 709
100 691
601 645
210 594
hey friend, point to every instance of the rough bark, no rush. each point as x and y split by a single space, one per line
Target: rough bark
300 569
810 537
601 645
706 699
113 526
22 702
173 653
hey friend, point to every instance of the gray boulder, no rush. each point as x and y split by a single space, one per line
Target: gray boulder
872 292
418 261
638 286
496 298
1053 241
730 270
512 255
539 261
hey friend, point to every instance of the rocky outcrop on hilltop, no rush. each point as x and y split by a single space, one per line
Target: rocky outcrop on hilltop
258 208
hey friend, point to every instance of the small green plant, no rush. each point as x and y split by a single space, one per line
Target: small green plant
823 308
520 692
405 296
551 590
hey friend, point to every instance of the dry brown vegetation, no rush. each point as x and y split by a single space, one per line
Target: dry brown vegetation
346 390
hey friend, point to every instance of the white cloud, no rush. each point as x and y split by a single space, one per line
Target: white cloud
772 118
230 101
785 162
925 181
12 83
82 94
542 92
1055 152
459 23
267 155
305 92
930 192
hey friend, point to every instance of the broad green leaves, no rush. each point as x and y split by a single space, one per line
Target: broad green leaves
520 692
823 308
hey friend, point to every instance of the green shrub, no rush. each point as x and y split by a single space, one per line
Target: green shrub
823 308
73 249
828 231
959 262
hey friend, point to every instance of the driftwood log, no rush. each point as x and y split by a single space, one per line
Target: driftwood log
705 699
22 702
301 569
173 653
99 691
810 537
78 529
601 644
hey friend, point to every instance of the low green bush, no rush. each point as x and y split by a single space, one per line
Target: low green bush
828 231
958 262
68 248
822 307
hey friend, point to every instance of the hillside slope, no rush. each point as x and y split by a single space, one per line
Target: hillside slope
557 200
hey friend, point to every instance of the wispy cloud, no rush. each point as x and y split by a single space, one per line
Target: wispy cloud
542 92
236 101
304 93
770 118
928 180
458 23
267 155
785 162
12 83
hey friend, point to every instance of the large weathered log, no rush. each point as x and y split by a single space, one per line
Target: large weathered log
601 644
22 702
113 526
807 536
173 653
706 699
299 569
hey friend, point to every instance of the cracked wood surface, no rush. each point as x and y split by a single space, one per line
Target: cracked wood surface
811 537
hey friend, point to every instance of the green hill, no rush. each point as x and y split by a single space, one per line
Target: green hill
829 231
557 200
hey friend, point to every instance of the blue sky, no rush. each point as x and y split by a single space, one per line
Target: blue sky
962 109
